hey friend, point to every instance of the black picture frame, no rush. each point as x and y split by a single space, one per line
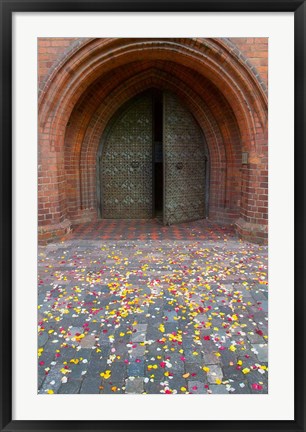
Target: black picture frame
8 7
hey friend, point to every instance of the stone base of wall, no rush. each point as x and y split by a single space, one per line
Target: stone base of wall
224 216
253 233
51 233
83 216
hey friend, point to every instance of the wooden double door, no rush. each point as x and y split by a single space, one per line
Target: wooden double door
153 162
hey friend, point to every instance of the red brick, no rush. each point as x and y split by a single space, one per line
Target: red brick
79 95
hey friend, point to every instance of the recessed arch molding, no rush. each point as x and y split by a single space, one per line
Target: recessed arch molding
88 84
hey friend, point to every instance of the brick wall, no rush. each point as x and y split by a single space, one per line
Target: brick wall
50 52
256 51
80 92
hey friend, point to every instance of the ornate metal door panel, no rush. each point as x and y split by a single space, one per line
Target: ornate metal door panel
184 164
126 164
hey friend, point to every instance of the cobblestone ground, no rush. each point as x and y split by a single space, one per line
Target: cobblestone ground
153 316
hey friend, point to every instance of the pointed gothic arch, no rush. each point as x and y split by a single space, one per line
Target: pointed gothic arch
90 83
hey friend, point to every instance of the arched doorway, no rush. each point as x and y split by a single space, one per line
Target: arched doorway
87 85
153 161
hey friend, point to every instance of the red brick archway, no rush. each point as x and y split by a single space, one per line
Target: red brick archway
88 85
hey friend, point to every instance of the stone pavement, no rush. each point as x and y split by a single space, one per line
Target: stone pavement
153 316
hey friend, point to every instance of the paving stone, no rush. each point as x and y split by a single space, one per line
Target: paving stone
211 358
153 333
158 374
88 341
140 328
208 346
263 390
188 342
258 295
196 372
95 328
85 354
52 380
42 339
171 316
90 386
196 387
231 372
77 370
264 305
119 371
201 318
50 347
40 378
96 366
89 298
119 348
260 316
265 328
215 372
112 388
135 386
171 327
176 382
153 387
70 387
176 362
261 352
74 331
255 338
136 369
104 338
218 389
255 377
137 351
138 337
190 355
47 358
142 316
240 387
